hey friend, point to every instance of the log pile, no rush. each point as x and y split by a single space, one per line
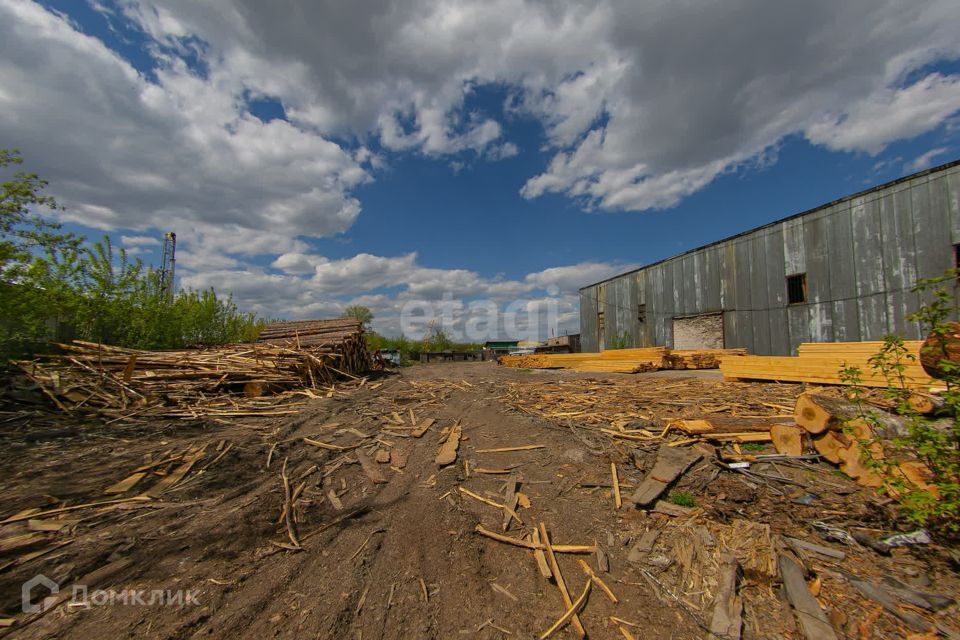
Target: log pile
624 360
339 338
842 435
113 382
821 363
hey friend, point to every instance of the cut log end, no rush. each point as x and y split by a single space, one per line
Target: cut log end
787 439
811 415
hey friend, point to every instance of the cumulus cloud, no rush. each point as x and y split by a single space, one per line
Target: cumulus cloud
125 151
642 103
300 285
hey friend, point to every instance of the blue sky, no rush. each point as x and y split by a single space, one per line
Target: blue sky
406 153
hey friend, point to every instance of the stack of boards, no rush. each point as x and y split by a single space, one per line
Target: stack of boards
821 363
625 360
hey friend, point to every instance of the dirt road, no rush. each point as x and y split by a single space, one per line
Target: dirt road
394 559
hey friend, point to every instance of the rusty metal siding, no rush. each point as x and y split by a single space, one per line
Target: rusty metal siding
861 255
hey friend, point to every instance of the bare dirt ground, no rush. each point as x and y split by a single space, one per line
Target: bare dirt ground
398 559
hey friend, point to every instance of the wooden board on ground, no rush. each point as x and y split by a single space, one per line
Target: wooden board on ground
448 451
813 621
671 463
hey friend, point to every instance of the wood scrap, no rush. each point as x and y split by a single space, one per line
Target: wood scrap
570 614
727 620
617 500
370 469
813 621
562 586
643 546
126 484
527 447
118 383
598 581
671 463
538 555
880 596
448 451
510 503
422 428
557 548
87 505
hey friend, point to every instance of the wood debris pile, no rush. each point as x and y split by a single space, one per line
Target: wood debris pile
625 360
114 382
672 411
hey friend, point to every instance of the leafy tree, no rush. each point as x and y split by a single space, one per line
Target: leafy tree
363 314
55 286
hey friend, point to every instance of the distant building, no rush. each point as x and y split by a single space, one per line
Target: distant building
561 344
840 272
500 347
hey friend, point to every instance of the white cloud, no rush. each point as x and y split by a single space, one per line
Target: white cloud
925 160
139 241
643 103
123 151
310 285
889 114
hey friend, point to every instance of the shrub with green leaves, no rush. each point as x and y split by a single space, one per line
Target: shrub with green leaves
934 441
57 286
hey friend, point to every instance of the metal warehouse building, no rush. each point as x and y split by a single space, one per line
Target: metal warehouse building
840 272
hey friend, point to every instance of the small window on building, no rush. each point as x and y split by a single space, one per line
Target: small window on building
797 288
641 313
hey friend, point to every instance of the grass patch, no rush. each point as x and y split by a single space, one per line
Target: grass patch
753 446
682 499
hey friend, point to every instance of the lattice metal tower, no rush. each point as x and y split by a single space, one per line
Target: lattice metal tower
168 265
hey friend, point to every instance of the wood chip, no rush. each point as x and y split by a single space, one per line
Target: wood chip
370 469
448 452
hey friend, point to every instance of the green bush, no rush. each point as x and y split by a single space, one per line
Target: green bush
932 441
57 286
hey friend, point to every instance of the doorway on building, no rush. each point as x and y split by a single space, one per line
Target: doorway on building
703 331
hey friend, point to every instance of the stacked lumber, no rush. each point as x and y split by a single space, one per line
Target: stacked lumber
624 360
699 358
112 382
821 363
614 360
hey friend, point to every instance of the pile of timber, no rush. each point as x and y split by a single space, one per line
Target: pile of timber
90 378
822 362
624 360
699 358
841 434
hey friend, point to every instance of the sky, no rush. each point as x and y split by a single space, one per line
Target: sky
469 163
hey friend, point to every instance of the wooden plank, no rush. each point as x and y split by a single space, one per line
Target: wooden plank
727 620
813 621
671 463
126 484
448 451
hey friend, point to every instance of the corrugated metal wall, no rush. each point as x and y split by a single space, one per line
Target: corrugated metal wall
861 256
